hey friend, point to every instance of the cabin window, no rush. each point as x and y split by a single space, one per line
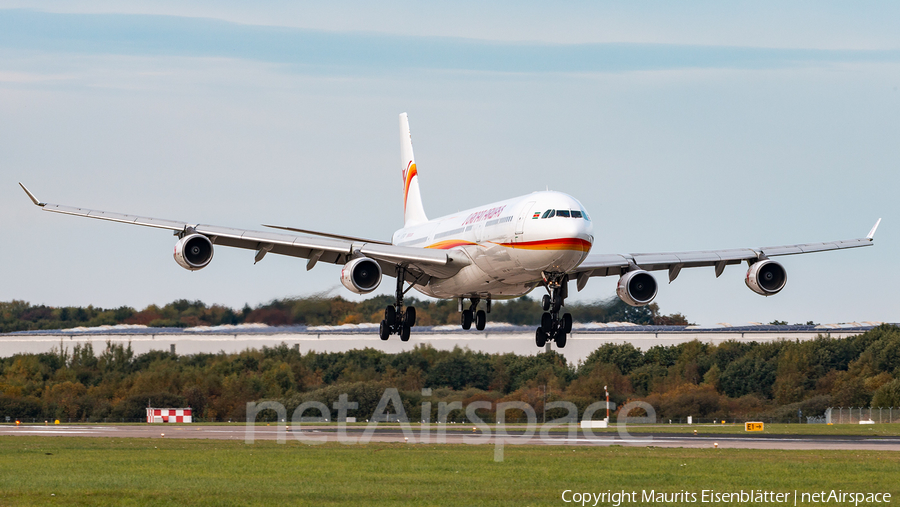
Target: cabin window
562 213
547 214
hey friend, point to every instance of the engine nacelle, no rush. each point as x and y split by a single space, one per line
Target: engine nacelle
766 277
637 288
193 252
361 275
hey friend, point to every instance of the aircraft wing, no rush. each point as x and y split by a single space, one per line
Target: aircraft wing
420 262
619 264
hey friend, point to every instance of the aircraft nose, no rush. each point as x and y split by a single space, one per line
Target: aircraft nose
577 229
584 230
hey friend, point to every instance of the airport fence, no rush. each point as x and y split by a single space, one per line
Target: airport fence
832 415
864 415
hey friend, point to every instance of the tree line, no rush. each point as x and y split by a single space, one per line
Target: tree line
730 380
311 311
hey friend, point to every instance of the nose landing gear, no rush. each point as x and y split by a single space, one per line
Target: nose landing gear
553 326
396 319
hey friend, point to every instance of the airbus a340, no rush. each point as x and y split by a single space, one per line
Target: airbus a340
498 251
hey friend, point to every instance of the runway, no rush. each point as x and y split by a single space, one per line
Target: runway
496 339
514 436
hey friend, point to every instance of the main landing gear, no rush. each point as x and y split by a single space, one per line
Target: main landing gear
474 314
553 327
396 319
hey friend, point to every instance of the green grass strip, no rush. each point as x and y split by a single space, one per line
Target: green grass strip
113 471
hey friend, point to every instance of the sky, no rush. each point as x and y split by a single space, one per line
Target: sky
679 126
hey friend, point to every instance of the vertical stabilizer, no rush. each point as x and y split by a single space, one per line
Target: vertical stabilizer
413 212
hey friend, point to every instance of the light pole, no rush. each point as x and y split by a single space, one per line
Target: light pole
544 405
607 403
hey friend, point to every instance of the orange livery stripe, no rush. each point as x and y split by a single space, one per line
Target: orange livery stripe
553 244
450 243
408 175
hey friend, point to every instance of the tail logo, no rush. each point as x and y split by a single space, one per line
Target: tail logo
408 174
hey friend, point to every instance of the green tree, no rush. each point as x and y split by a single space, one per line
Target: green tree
623 355
888 395
748 375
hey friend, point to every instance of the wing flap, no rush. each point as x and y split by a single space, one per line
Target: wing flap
395 254
407 254
253 238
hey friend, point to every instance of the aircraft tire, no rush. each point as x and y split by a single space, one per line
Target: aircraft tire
466 319
384 330
390 315
567 323
545 303
547 323
409 317
540 338
560 339
404 333
480 320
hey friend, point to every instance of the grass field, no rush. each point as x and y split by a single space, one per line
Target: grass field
106 471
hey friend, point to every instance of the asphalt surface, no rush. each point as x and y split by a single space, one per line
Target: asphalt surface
580 344
358 434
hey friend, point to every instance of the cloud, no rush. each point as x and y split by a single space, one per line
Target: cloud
328 52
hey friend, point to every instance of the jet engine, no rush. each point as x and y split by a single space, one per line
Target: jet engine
637 288
361 275
193 252
766 277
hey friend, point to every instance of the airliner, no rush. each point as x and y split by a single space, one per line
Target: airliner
498 251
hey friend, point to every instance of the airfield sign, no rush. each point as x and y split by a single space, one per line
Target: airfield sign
753 426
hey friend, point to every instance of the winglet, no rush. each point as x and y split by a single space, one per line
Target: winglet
31 196
869 236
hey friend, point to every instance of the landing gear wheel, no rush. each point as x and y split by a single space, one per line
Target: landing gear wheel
409 318
480 320
545 303
390 315
540 338
560 339
547 323
567 323
466 319
384 330
404 333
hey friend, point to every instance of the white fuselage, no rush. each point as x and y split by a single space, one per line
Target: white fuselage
510 244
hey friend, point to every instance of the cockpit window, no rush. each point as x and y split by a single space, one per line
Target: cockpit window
565 213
